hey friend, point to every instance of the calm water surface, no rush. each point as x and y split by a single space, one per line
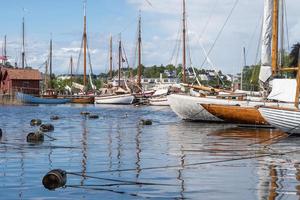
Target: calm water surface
114 157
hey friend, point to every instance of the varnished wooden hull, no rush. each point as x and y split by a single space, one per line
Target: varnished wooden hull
83 100
236 114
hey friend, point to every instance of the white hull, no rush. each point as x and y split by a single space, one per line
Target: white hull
189 107
159 101
283 119
115 99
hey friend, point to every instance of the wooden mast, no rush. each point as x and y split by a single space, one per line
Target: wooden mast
275 37
139 54
50 64
120 62
184 44
71 65
298 83
5 52
84 45
23 43
110 58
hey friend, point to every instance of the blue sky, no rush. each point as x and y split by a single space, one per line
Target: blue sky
63 18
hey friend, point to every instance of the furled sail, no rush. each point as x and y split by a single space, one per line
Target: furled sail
266 48
283 90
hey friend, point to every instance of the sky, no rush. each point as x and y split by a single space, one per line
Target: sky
161 21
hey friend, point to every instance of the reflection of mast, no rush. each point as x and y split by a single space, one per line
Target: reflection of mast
139 54
184 44
275 37
180 171
84 46
273 183
84 151
138 151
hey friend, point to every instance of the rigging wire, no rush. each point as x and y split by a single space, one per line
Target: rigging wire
286 24
221 30
209 18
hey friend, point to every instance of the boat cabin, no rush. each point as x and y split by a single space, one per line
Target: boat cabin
22 80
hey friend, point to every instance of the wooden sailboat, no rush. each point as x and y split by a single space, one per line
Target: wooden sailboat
221 109
83 99
246 114
286 119
120 96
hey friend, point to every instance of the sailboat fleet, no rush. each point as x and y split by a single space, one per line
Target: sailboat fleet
276 106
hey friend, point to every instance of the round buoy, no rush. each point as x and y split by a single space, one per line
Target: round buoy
46 127
85 113
35 122
55 179
35 137
55 117
93 117
146 122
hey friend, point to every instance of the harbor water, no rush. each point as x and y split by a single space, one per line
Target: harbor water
117 157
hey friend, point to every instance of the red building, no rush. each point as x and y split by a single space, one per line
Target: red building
23 80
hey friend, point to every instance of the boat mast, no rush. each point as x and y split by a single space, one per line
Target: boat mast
140 53
23 43
184 44
71 65
120 61
5 52
50 63
298 83
275 37
282 34
84 45
110 58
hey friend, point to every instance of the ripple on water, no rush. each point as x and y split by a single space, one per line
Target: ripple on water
176 158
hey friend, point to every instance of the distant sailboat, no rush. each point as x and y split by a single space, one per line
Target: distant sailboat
119 96
47 98
83 99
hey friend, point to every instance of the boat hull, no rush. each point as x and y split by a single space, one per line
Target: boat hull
26 98
236 114
187 108
287 120
115 99
159 101
83 100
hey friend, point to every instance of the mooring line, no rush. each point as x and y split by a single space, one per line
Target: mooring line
121 181
197 164
109 190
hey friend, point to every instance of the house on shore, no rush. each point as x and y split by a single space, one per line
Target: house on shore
16 79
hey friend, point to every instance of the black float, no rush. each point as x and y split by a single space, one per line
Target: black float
35 122
46 127
146 122
54 117
55 179
36 137
93 116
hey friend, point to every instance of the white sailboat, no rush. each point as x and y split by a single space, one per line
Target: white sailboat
190 107
120 96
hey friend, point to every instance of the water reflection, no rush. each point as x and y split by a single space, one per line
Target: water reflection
121 149
84 150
